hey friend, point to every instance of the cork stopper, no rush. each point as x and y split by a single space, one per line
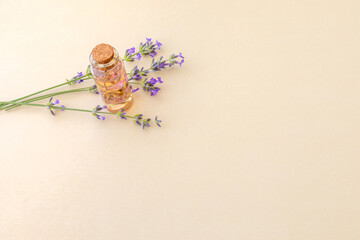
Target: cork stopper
102 53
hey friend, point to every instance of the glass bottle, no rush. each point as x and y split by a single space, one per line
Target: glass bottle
110 77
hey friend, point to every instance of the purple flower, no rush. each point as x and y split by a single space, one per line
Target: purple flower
161 65
158 45
152 81
134 90
130 51
135 69
50 104
62 107
157 121
180 55
154 91
93 89
121 114
152 54
138 56
96 109
173 59
80 74
135 77
137 119
148 85
148 40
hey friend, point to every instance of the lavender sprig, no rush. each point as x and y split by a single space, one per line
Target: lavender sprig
173 59
121 114
147 48
137 74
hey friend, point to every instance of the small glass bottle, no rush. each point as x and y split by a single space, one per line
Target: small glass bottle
110 77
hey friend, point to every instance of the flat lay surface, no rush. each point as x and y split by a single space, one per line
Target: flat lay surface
260 135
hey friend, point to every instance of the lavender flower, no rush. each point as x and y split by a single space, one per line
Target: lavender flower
159 80
134 90
137 119
121 114
130 51
152 54
97 109
62 108
93 89
145 123
135 77
76 78
173 59
138 56
152 81
154 91
50 104
180 55
135 73
148 85
157 65
158 45
157 121
79 75
182 60
160 64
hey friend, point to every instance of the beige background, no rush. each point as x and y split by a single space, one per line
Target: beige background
260 136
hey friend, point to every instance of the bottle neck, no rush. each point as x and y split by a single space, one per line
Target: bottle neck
105 66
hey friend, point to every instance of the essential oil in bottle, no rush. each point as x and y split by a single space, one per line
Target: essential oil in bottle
110 77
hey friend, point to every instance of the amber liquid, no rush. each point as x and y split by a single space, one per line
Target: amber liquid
114 87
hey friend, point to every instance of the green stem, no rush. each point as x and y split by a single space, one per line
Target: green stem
56 107
131 55
47 89
135 83
7 108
